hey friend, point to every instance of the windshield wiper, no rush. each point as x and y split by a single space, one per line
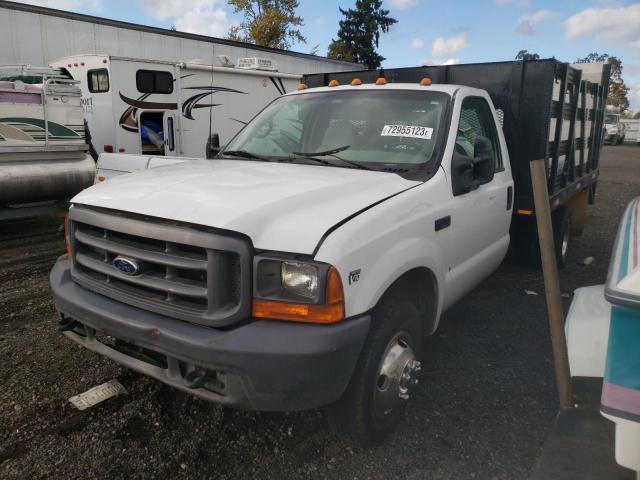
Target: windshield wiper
245 154
323 153
331 153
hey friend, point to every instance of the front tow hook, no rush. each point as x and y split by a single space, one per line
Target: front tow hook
195 378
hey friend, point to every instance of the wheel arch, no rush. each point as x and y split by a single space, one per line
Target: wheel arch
419 285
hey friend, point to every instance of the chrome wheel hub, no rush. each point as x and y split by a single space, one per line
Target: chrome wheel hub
396 377
565 243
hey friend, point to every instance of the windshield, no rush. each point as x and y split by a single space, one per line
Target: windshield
611 119
343 128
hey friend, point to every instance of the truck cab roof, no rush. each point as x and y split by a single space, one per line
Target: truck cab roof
436 87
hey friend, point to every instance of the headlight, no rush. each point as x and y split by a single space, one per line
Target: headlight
300 278
297 290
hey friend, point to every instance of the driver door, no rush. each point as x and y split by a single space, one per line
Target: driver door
480 218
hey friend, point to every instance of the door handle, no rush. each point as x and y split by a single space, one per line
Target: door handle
509 198
442 223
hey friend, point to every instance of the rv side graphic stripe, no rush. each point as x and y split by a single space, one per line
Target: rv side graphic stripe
150 105
284 90
275 85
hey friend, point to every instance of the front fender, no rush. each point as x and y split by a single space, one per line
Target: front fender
387 241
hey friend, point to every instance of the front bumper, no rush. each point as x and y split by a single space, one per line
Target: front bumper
259 365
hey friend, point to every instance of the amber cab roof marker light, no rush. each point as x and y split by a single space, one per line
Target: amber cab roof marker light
355 82
302 86
331 311
425 82
381 81
334 83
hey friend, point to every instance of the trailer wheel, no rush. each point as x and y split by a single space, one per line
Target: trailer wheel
384 377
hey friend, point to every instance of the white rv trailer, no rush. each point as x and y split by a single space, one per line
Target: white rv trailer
160 108
632 130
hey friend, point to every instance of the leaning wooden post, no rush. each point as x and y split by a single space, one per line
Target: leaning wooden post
555 310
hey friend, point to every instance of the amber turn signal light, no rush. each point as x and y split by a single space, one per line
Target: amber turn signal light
331 311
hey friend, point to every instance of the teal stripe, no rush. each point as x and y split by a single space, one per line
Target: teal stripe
623 351
55 129
624 257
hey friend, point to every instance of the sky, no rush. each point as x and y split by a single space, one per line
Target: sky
428 31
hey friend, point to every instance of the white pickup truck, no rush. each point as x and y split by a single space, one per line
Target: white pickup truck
302 266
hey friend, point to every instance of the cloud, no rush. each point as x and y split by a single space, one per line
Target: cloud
527 24
417 43
443 47
95 5
612 25
451 61
205 17
402 4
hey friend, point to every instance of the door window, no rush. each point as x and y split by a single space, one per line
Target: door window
153 81
476 120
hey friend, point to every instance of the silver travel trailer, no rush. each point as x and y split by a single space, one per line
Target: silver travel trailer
157 108
43 154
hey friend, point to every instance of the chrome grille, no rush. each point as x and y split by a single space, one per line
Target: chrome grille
185 273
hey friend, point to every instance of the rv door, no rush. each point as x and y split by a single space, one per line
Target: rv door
170 133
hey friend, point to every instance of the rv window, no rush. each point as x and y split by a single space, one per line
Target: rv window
151 81
98 80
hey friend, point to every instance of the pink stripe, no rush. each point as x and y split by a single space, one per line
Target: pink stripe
635 236
621 398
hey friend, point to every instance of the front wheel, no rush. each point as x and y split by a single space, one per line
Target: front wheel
384 377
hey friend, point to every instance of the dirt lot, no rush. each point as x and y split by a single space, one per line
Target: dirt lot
482 409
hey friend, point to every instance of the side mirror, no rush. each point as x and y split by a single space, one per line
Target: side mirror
484 163
462 174
213 146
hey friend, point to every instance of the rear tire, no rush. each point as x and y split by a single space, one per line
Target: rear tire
561 219
374 402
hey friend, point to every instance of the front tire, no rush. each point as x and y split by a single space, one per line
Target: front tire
373 404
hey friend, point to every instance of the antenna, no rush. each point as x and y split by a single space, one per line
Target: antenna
213 142
213 61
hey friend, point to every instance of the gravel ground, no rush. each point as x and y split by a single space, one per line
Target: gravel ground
482 409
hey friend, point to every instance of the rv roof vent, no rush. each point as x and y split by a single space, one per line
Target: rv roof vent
255 63
223 61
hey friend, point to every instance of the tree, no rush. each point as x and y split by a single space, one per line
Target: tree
525 55
637 116
269 23
618 90
359 33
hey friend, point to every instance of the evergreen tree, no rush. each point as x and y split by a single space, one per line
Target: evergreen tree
359 33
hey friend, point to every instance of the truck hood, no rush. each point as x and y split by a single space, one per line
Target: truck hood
284 207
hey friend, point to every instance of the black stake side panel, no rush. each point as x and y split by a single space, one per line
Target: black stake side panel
524 92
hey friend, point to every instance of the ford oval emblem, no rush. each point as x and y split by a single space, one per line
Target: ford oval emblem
128 266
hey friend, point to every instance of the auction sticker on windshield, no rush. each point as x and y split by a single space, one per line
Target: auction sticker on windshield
413 131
